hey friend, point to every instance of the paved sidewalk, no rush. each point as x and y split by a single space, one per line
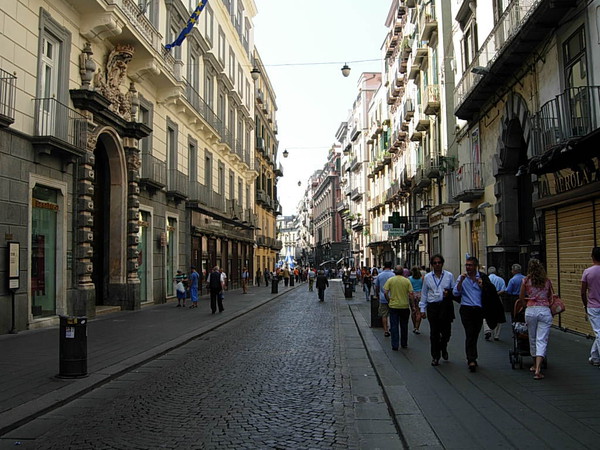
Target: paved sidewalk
449 407
117 342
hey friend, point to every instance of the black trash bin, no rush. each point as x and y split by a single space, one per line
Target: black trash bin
375 319
348 289
274 285
72 347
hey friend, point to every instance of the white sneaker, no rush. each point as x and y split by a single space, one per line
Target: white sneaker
594 362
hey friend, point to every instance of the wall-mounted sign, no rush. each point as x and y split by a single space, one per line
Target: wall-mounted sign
567 179
13 265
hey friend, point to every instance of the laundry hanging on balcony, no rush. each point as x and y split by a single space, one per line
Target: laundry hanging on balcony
188 27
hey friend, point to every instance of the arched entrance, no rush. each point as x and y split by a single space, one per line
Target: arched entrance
513 189
109 245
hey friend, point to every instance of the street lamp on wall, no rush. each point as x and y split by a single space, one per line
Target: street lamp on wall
285 153
255 73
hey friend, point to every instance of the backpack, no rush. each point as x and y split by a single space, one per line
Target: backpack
214 281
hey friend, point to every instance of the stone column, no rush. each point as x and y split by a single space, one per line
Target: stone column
85 301
133 210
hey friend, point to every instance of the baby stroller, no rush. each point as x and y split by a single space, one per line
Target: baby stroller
520 337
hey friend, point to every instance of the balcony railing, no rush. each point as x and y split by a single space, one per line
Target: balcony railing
427 21
509 23
7 98
154 172
57 125
572 114
431 99
468 182
421 179
177 184
202 108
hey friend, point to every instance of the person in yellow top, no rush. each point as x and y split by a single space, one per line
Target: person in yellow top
398 291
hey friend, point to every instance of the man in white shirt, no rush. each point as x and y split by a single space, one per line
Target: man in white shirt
436 305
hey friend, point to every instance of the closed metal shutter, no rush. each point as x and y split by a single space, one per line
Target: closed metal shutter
569 241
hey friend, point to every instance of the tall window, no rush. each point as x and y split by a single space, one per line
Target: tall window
231 65
208 171
171 154
172 34
54 44
209 88
469 43
575 60
221 42
208 23
171 263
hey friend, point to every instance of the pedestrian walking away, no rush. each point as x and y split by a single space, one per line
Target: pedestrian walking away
214 284
311 279
437 306
258 277
590 296
416 280
399 294
322 284
500 286
367 281
513 288
536 295
194 282
478 300
384 309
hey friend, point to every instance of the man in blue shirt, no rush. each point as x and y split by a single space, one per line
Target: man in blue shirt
469 288
513 289
378 284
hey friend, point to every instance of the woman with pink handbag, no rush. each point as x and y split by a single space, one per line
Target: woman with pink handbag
536 295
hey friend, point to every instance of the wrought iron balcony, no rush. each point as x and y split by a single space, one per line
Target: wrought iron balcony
468 182
7 98
177 185
201 107
431 99
572 114
519 31
421 179
432 167
427 21
154 172
59 129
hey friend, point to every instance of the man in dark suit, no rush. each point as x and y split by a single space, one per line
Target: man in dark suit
322 284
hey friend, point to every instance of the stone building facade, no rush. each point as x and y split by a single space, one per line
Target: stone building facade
122 162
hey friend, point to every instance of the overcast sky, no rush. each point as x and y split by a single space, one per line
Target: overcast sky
295 39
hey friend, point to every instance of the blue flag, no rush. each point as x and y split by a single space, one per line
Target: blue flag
190 24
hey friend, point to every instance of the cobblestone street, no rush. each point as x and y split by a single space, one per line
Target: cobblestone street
271 379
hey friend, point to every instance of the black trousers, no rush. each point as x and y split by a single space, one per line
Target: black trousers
441 329
472 320
215 297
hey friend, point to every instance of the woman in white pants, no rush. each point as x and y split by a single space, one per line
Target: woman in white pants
536 294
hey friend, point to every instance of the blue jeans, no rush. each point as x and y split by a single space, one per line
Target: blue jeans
399 317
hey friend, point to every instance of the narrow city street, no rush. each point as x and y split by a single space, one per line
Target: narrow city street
271 379
284 371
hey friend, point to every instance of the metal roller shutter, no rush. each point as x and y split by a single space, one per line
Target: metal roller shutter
569 240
